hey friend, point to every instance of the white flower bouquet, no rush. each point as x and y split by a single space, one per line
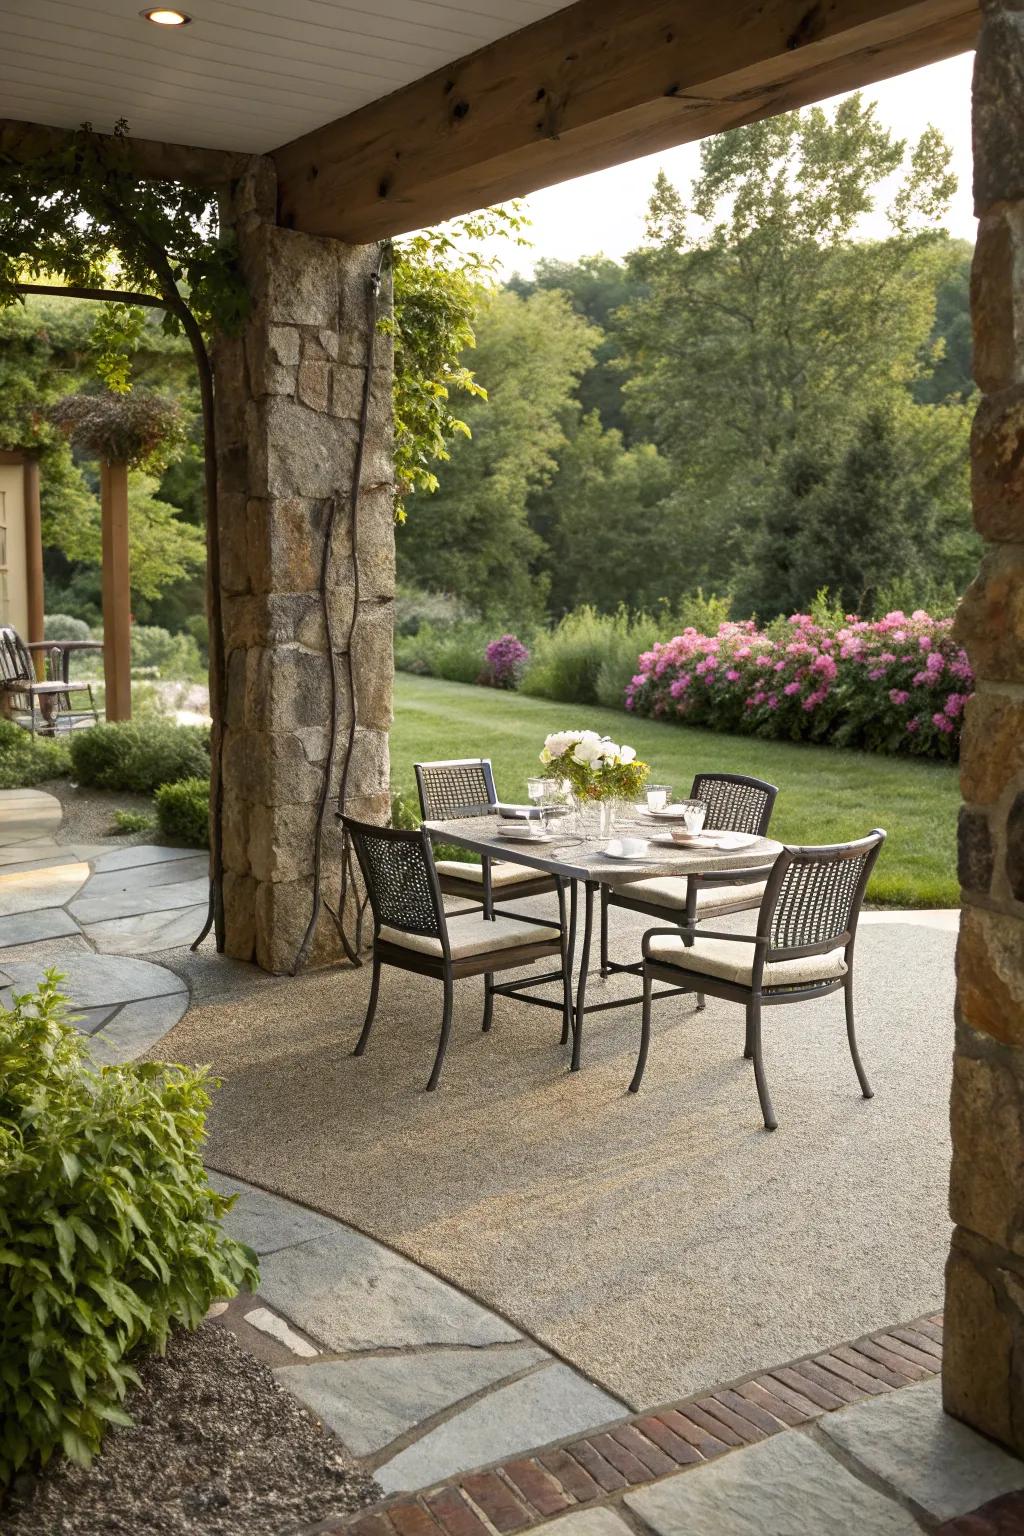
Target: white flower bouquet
596 767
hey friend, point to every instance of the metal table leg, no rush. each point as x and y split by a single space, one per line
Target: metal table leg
590 886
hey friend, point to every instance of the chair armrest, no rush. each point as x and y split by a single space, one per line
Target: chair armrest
684 932
732 876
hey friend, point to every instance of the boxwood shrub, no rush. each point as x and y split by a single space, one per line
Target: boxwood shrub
109 1231
26 759
140 755
183 812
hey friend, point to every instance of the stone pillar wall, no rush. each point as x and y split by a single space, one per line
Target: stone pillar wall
983 1374
289 394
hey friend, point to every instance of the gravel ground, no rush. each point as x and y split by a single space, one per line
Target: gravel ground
217 1449
89 814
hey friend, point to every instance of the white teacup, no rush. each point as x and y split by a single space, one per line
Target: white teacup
632 847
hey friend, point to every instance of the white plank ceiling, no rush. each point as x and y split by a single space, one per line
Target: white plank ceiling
245 74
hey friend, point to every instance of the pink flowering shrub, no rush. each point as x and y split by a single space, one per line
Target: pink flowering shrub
898 684
506 659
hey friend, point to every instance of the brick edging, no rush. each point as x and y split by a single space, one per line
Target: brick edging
600 1467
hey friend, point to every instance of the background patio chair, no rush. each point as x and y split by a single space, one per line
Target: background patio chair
49 706
736 803
412 931
803 948
460 787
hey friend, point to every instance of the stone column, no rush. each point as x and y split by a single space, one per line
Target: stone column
289 394
983 1374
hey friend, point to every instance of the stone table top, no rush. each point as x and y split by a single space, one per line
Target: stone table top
577 858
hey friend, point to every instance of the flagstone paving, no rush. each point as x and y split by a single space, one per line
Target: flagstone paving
122 901
416 1378
61 904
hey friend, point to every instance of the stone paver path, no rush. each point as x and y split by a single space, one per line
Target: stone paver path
417 1379
122 901
86 909
852 1442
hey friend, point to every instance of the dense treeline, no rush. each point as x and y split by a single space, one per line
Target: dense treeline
759 401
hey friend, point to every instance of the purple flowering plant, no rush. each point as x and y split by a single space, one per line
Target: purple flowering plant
897 684
506 661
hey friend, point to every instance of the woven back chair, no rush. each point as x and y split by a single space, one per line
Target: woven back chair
803 948
735 803
451 791
412 931
459 787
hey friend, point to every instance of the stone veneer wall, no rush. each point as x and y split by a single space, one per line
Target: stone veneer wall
983 1375
289 393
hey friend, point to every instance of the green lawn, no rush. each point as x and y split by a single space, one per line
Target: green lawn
824 795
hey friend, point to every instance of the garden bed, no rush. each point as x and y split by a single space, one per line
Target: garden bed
825 794
217 1449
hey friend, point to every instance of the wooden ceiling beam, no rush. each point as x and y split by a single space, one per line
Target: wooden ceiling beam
594 84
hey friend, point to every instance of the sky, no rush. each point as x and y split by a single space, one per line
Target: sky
605 211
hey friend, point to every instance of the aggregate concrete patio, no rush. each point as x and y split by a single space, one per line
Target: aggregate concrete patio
657 1242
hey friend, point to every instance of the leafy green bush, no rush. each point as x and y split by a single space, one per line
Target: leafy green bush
453 651
589 657
26 759
414 607
63 626
158 653
183 812
109 1231
140 755
133 821
580 659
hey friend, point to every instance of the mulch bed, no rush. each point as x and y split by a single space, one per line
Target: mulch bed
217 1448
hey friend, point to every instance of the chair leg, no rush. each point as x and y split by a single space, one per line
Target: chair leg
748 1049
604 933
488 1003
446 1029
754 1038
862 1077
645 1034
701 999
370 1010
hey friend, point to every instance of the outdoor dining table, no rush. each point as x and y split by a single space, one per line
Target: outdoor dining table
582 861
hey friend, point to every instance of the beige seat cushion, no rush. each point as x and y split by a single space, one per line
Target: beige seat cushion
469 934
735 962
670 891
501 874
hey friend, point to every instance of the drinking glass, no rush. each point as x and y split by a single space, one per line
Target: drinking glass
658 796
538 789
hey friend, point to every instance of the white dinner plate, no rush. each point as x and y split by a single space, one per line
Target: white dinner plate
727 842
614 851
668 813
519 834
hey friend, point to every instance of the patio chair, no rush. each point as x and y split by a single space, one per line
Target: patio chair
803 948
736 803
460 787
49 705
412 931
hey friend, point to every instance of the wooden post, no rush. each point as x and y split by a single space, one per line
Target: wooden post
34 559
117 642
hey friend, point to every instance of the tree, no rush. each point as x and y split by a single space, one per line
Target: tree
473 537
597 288
888 511
764 326
948 353
607 524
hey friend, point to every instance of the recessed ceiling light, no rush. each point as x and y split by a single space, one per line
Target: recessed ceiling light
160 16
